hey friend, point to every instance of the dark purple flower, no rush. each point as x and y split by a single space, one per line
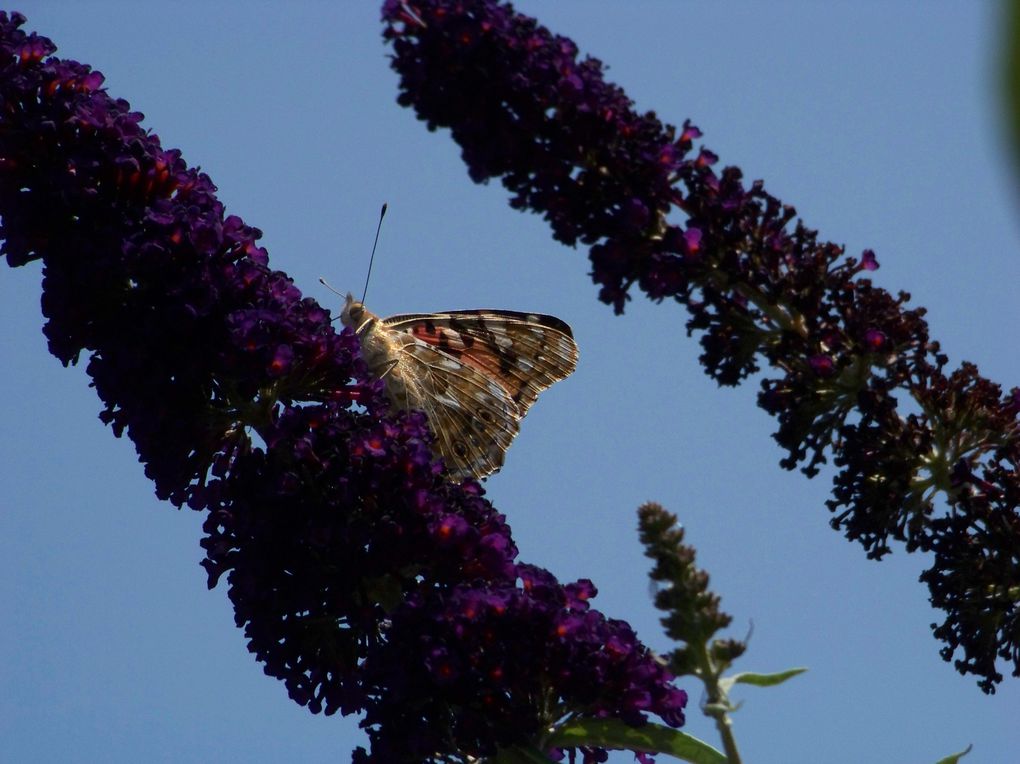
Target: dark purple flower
874 339
281 362
692 243
822 365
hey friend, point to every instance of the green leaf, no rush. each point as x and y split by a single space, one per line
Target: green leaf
954 758
650 738
760 680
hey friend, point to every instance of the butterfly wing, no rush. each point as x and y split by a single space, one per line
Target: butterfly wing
474 374
523 352
471 416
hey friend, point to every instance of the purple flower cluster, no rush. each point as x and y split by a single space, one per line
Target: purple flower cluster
758 285
362 578
516 646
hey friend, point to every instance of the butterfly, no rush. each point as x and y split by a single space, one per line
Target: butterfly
475 373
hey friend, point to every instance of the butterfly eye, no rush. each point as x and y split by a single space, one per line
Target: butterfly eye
357 311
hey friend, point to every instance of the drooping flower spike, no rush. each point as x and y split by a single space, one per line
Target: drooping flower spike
658 213
346 551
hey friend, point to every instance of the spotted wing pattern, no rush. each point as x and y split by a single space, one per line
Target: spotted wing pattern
475 373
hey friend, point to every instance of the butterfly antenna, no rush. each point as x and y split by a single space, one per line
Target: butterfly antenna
330 287
371 259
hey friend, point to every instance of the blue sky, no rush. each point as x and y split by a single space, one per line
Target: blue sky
878 121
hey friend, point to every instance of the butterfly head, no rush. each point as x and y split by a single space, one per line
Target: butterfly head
353 313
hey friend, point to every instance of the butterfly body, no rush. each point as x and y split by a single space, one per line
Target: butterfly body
474 373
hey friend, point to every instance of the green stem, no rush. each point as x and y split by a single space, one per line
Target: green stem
718 704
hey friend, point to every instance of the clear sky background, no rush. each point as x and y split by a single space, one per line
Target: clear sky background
879 121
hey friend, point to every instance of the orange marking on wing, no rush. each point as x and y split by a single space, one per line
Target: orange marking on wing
468 350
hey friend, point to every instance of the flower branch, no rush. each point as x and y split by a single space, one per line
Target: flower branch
656 213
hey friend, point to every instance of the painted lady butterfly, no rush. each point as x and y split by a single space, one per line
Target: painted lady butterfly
474 373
